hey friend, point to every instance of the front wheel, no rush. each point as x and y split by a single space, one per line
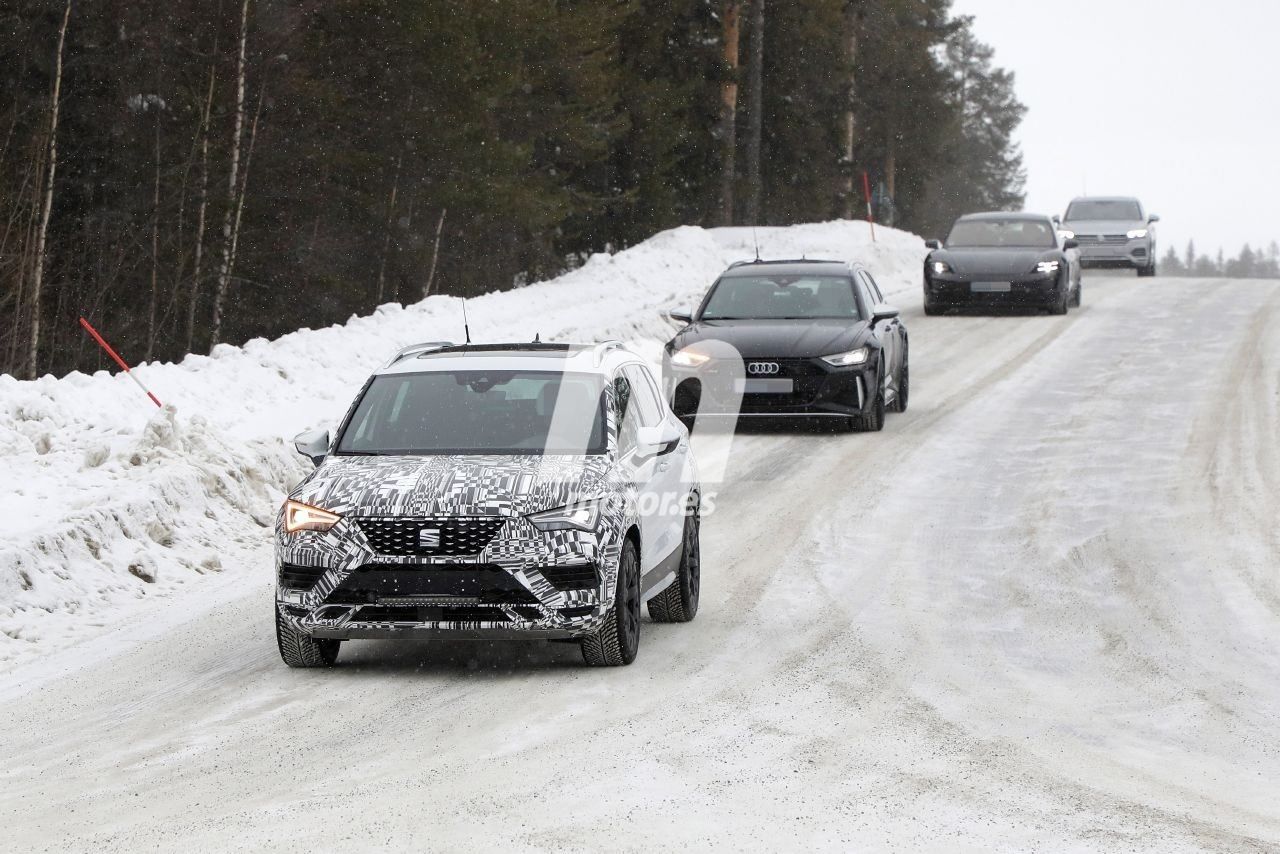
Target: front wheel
873 421
299 649
1147 272
617 640
904 385
1078 295
679 602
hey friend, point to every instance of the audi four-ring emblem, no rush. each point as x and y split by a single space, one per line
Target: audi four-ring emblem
762 368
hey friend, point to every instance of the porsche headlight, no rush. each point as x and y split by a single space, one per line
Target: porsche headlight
940 267
1137 233
304 517
844 360
689 359
579 516
1047 268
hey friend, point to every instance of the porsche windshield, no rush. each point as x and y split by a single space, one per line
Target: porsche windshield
1019 233
478 412
781 298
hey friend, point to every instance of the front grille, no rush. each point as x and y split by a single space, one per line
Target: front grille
448 537
429 614
1101 239
580 577
297 577
379 583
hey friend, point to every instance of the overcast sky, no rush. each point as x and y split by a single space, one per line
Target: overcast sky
1172 101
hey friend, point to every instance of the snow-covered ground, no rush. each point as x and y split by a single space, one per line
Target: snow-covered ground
109 503
1039 611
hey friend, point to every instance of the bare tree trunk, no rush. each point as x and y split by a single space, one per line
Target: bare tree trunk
194 295
730 23
853 14
386 235
244 180
37 280
435 255
889 214
233 176
155 251
755 103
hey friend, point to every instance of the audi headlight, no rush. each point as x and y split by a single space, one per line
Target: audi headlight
940 267
304 517
844 360
1137 232
580 516
1047 268
689 359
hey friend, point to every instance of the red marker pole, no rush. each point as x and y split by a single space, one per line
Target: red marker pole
866 191
113 354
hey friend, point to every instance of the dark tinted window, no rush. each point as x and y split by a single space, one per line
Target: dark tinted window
781 297
478 412
1024 233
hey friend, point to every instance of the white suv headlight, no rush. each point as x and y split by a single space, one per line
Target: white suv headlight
843 360
1137 232
580 516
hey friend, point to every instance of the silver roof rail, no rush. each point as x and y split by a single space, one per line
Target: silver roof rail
417 350
602 349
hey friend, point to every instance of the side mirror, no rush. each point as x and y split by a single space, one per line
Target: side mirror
313 444
1057 220
933 244
656 441
1071 243
681 315
1153 218
882 312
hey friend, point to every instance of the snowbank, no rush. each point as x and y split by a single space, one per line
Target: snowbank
108 501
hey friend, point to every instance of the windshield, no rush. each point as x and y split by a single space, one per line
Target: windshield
1105 209
479 412
781 298
1022 233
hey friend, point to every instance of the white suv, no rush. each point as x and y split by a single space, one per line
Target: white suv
501 491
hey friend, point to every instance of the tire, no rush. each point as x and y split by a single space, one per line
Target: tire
679 602
1147 272
617 640
1078 295
873 421
299 649
1064 302
904 385
932 309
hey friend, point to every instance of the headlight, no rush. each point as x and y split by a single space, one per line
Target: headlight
843 360
689 359
1047 268
940 267
1066 234
1137 232
581 516
304 517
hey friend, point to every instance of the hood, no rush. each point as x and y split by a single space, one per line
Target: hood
1103 226
993 260
435 485
795 339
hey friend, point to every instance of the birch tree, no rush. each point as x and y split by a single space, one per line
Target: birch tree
233 180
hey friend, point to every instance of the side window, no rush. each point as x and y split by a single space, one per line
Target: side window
644 395
628 419
864 295
875 289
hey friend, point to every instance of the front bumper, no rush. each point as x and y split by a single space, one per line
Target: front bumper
815 389
1115 252
960 290
524 583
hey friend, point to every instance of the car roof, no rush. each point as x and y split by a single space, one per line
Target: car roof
1105 199
1002 215
601 358
788 268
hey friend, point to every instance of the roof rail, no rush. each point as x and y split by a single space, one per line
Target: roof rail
757 261
417 350
600 350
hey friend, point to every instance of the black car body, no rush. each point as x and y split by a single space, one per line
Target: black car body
1002 259
790 338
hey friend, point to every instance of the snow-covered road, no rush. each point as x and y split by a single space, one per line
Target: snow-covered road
1041 610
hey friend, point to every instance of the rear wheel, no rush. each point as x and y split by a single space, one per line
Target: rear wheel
679 602
617 640
299 649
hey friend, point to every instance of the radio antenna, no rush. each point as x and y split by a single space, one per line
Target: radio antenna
465 327
755 240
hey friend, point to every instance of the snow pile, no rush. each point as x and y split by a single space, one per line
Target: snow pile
109 501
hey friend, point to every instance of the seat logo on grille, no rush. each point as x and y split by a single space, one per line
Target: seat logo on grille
760 369
429 538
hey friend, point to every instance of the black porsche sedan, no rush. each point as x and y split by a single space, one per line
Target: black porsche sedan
805 339
1009 259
